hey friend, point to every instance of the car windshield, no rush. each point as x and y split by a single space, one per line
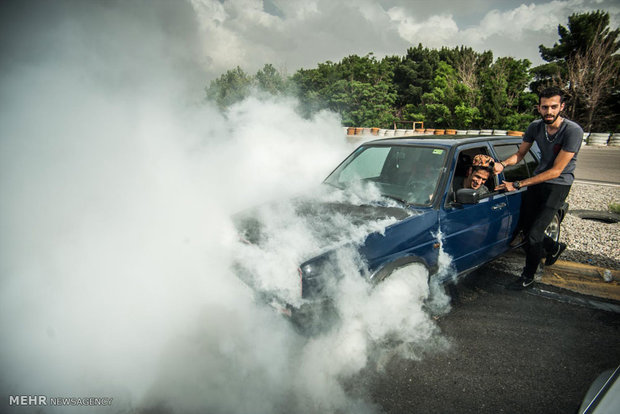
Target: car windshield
406 173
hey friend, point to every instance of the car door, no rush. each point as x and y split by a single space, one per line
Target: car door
474 233
524 169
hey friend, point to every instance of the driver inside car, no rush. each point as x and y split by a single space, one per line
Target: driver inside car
477 174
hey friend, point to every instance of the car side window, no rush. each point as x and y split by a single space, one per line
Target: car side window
518 171
531 162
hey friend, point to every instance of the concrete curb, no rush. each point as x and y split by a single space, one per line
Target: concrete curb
572 276
584 269
584 279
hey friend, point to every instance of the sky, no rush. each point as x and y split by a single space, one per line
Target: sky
301 33
218 35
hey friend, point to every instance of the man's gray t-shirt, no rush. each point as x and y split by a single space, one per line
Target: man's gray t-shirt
568 138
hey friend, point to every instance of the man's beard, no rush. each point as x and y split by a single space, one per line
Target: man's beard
549 122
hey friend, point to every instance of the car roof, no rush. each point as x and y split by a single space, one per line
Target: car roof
443 142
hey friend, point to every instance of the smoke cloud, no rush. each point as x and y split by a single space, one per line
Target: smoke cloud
116 240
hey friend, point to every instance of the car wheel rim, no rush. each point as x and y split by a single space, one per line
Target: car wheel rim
553 229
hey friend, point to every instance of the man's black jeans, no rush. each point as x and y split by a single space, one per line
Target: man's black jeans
540 203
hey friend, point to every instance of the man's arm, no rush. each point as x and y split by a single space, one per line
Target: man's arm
561 161
514 158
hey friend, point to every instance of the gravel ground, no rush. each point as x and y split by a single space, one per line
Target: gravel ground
591 242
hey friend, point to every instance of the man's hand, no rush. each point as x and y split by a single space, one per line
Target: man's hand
505 185
498 168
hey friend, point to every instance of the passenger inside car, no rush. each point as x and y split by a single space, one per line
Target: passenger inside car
477 173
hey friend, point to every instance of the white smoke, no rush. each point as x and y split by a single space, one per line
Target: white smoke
116 238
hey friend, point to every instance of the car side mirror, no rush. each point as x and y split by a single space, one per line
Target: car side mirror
467 196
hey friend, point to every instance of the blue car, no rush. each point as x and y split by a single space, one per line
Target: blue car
414 183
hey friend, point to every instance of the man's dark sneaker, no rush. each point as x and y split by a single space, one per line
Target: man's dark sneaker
521 283
553 257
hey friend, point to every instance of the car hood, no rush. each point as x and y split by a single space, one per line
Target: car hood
329 222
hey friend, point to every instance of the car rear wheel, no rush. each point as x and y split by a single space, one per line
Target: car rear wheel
553 229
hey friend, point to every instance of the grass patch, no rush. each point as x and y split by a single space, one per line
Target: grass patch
614 208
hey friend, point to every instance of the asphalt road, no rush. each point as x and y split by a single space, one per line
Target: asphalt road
599 164
511 352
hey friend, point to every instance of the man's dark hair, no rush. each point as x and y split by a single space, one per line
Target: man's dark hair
475 168
551 92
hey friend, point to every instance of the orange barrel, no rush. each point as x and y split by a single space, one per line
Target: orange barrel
440 132
350 131
450 131
359 131
374 131
515 133
429 131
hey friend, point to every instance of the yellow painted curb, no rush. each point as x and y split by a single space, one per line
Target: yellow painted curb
582 278
584 269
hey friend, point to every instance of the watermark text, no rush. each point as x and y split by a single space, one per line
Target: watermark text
43 400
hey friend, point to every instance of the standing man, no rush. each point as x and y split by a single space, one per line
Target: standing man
559 140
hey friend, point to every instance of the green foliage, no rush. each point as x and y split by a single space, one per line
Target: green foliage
466 116
438 105
269 80
231 87
360 89
363 104
414 73
236 85
505 103
614 208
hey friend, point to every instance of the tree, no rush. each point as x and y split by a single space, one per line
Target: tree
505 102
447 104
359 88
413 75
469 66
584 63
430 92
268 79
362 104
231 87
593 76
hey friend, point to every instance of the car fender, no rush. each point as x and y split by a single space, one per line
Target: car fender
388 268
